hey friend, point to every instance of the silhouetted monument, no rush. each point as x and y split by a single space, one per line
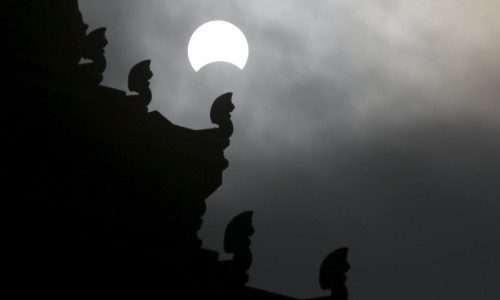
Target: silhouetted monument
106 198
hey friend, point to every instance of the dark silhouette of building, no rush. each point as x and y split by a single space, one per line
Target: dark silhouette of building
104 197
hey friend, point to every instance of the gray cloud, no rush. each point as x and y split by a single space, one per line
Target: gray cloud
372 124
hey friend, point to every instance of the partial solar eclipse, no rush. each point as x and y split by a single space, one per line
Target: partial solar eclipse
217 41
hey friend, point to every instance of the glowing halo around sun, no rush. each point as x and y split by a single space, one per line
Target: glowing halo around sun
217 41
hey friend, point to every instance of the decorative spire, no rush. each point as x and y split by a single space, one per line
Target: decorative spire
237 242
138 81
220 114
332 273
93 49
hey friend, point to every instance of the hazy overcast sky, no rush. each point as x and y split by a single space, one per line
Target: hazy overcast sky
369 124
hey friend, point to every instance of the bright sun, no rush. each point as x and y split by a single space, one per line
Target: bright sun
217 41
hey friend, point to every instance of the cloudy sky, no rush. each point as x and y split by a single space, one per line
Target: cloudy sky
369 124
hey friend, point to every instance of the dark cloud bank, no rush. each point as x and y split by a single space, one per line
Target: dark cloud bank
369 125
